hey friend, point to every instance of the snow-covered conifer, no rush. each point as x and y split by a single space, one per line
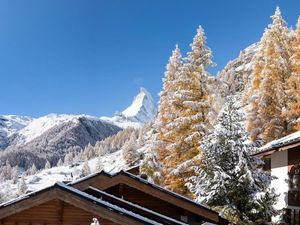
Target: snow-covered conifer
191 105
268 92
293 113
60 163
130 153
22 187
68 159
229 178
15 174
32 170
166 112
85 171
150 165
47 165
88 151
99 165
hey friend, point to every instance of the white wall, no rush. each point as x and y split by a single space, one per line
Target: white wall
279 168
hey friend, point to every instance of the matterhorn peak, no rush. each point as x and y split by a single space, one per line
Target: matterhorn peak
142 108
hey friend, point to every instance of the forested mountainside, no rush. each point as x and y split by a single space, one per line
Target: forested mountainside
68 133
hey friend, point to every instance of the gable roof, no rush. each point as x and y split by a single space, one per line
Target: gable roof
133 207
283 143
69 194
123 177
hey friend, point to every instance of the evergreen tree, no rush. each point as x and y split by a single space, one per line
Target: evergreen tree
60 163
150 165
8 170
293 113
269 93
32 170
22 187
130 153
89 151
69 159
15 174
166 112
99 165
190 104
229 178
47 165
85 171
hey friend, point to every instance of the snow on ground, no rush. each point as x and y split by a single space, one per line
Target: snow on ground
113 163
282 141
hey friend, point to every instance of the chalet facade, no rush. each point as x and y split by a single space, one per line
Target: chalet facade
282 159
121 198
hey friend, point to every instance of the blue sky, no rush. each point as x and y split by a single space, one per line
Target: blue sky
92 56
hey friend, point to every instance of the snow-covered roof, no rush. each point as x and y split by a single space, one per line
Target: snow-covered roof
102 193
279 143
143 181
95 200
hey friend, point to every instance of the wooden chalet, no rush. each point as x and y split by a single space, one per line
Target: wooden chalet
121 198
282 160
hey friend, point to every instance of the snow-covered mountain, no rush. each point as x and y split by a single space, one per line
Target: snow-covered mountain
39 126
24 140
52 136
9 125
142 110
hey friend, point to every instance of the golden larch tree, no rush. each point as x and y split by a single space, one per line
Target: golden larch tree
268 98
293 113
190 104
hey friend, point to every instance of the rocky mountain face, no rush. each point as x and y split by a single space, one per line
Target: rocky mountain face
142 110
52 136
236 75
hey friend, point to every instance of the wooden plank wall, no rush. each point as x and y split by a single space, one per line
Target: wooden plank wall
54 212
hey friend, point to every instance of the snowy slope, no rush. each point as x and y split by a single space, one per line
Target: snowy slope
112 163
9 125
141 111
38 126
52 136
